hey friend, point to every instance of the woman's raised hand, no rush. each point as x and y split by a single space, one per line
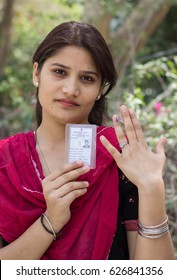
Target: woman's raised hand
139 164
60 189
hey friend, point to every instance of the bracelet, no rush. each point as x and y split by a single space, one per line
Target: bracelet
156 226
55 234
156 231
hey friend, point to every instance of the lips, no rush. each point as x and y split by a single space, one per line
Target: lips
67 102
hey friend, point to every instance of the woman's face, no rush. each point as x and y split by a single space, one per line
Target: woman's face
69 84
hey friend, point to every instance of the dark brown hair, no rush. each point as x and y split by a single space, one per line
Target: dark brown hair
88 37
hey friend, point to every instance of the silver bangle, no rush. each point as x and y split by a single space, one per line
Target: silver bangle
55 234
152 236
153 227
156 231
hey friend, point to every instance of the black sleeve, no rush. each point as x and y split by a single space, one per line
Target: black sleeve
127 212
128 199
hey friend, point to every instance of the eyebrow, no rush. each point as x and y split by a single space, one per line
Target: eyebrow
67 67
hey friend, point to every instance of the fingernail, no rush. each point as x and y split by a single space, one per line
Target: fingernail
164 140
123 108
79 162
116 119
102 137
86 168
131 111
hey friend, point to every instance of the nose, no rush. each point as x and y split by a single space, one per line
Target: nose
71 87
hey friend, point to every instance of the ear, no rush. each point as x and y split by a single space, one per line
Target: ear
35 74
98 96
100 93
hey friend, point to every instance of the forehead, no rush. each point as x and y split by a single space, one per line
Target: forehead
73 54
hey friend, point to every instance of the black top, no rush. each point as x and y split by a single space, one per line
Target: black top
128 210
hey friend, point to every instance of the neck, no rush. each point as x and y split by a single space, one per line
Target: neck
51 135
50 145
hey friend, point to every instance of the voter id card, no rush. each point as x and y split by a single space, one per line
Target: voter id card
81 143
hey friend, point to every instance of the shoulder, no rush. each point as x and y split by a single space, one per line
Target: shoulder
4 151
8 146
4 143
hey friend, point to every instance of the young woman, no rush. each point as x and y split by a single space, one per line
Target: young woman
50 209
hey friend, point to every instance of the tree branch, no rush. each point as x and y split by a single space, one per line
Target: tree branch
137 29
5 33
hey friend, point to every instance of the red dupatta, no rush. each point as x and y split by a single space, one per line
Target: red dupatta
90 230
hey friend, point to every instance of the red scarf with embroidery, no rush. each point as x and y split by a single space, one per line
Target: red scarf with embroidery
89 232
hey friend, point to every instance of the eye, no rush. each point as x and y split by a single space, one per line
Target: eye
87 78
60 72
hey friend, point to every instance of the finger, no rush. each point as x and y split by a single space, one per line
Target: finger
70 176
63 179
137 126
118 130
110 148
70 187
65 169
70 197
129 128
160 147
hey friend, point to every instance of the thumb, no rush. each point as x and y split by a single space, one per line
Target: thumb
160 146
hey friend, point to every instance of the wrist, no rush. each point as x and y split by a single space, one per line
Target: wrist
56 226
152 206
152 186
49 227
